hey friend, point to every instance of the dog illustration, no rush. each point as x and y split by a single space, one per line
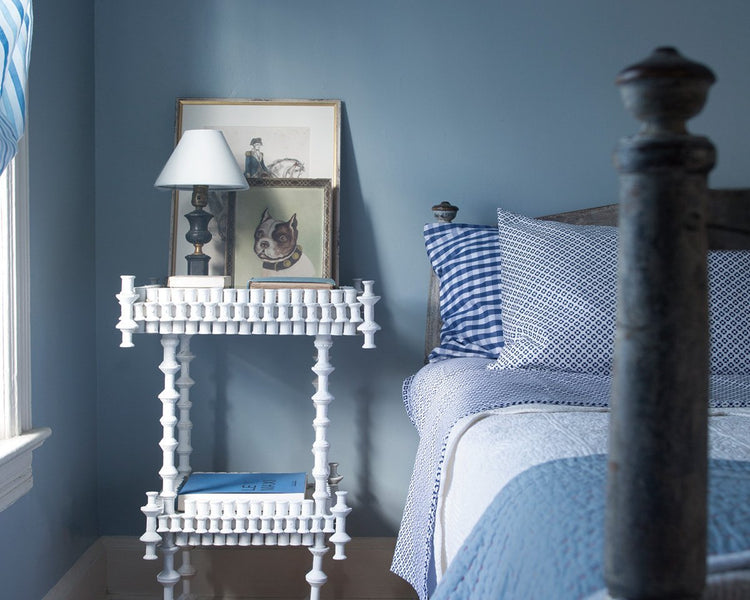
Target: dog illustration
276 245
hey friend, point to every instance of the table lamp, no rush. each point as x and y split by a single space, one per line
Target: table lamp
201 160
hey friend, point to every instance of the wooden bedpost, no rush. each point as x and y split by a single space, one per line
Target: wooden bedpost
657 485
444 212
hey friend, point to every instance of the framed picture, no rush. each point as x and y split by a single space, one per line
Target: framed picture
271 139
282 228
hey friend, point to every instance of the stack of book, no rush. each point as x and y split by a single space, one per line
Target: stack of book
243 486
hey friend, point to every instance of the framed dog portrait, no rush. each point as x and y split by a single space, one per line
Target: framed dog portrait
282 229
272 140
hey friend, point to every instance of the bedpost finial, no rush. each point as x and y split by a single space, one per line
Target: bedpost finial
665 90
444 212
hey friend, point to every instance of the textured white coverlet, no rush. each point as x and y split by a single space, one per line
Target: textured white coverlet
485 451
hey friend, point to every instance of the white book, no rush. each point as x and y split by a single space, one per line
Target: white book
199 281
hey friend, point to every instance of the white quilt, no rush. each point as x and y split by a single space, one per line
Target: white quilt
486 450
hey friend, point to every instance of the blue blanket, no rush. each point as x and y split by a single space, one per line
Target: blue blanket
542 536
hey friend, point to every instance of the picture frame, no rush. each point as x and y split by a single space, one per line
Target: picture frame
298 139
283 229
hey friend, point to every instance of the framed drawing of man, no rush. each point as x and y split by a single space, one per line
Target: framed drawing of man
283 229
270 139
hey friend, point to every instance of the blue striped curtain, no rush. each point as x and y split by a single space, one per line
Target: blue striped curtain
15 50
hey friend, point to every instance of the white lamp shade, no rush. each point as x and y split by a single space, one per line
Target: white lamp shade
202 157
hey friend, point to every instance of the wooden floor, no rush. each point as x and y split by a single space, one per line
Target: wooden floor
131 597
259 573
112 568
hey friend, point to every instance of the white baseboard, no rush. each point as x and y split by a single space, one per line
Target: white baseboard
113 569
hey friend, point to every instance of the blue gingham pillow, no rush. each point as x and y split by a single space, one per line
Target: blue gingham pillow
466 259
559 298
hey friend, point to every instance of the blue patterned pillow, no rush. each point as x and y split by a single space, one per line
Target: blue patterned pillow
729 311
466 259
558 294
559 298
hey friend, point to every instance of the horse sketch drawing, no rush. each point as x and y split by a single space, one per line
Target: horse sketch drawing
286 168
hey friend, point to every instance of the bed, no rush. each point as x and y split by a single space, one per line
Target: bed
583 414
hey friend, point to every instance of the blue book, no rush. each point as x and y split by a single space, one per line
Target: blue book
243 486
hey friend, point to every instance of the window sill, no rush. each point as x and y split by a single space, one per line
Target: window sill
15 464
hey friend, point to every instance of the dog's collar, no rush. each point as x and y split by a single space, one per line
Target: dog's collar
284 263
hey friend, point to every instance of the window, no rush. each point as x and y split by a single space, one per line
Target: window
17 438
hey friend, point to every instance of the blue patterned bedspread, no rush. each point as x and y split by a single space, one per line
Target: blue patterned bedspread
542 536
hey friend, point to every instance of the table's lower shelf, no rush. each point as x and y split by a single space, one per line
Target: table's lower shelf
246 523
183 538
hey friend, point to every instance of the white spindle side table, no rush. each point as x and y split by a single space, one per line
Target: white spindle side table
176 314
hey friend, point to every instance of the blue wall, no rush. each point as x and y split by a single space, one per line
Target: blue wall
478 103
48 529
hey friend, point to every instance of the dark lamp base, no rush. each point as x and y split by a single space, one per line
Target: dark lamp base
197 264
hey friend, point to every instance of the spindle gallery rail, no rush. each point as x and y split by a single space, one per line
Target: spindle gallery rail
257 311
176 314
246 523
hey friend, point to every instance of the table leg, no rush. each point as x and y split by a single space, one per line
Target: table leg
321 399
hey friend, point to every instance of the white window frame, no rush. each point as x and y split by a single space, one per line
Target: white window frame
17 438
